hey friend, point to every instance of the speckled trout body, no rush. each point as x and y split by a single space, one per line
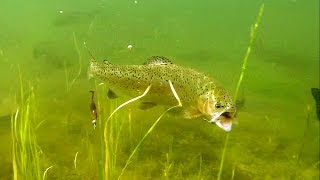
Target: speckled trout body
200 95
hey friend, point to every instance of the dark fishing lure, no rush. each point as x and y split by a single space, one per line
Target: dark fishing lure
93 110
316 95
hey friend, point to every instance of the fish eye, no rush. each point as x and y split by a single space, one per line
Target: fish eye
219 105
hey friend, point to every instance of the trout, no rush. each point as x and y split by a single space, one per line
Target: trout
200 95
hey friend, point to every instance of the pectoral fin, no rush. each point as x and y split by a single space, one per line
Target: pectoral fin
191 113
112 95
146 105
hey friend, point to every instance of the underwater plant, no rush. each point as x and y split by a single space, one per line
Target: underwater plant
70 84
112 123
253 34
111 133
25 150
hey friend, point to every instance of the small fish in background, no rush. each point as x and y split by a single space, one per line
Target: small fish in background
201 95
67 18
93 111
49 54
5 124
316 95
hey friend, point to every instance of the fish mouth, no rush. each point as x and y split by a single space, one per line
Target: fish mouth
223 120
227 115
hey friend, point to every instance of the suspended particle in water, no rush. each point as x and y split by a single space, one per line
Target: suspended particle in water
130 46
136 2
60 11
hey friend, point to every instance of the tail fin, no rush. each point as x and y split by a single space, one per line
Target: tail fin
93 63
92 68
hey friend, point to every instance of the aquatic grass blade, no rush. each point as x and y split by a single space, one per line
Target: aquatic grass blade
106 141
25 151
69 86
151 128
45 172
253 34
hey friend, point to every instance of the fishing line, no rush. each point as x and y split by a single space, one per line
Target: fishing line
85 45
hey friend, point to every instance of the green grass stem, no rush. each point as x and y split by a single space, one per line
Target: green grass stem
305 133
75 160
109 132
253 34
223 155
66 75
169 163
151 128
200 166
45 172
25 151
143 139
80 63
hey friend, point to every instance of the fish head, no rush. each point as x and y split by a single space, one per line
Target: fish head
218 106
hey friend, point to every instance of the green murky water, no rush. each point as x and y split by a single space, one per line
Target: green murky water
277 136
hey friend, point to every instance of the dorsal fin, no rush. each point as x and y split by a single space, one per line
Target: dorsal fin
158 60
106 62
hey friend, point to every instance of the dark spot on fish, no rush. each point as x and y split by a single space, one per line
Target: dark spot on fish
218 105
